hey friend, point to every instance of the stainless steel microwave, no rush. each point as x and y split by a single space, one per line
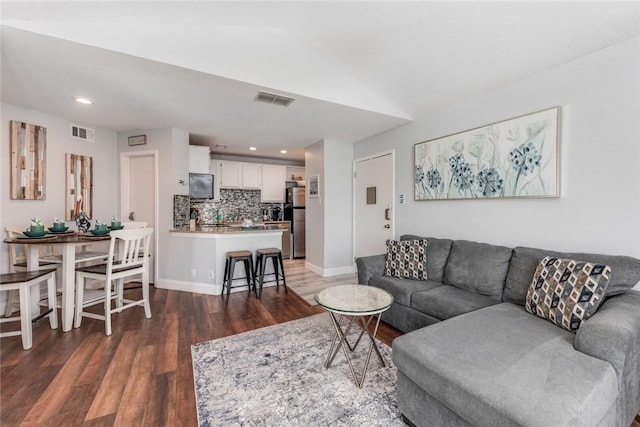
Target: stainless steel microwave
201 186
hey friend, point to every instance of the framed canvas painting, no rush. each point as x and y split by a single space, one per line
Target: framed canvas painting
518 157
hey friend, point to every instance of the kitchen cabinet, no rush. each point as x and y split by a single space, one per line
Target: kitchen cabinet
286 236
215 170
273 183
199 161
239 175
230 174
295 173
252 176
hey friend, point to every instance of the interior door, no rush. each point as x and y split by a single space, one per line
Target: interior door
373 189
142 199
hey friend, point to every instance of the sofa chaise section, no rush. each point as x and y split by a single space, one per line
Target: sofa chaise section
500 366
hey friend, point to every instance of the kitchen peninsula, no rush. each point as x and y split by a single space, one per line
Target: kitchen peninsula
201 253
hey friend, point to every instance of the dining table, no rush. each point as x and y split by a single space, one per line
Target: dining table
68 242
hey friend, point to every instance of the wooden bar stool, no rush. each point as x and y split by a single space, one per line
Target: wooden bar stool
275 255
247 259
23 282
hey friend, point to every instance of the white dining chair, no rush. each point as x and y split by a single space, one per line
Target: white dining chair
23 283
18 263
133 224
124 261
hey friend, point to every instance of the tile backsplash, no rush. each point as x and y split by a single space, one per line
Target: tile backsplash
236 205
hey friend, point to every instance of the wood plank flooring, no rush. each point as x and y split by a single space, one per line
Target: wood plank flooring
306 283
142 374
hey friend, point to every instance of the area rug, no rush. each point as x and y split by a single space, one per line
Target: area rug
275 376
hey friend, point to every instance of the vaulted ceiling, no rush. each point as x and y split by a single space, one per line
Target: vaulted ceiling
355 69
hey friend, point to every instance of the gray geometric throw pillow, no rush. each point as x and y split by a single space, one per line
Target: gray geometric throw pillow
567 292
406 259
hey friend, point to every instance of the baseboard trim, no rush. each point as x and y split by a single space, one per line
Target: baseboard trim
199 287
329 272
194 287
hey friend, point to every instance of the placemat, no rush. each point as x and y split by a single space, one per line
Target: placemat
105 237
35 239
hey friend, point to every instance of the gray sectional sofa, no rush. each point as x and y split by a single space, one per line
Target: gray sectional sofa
473 355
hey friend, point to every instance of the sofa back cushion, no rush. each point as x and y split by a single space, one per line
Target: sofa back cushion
437 255
478 267
625 271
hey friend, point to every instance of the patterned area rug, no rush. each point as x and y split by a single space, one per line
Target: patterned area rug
275 376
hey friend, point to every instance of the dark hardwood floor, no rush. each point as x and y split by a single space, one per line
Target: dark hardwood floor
142 373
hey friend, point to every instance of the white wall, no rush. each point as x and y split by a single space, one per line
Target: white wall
173 165
338 207
59 143
314 211
329 229
599 208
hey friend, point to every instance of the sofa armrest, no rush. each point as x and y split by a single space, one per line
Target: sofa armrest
613 335
370 266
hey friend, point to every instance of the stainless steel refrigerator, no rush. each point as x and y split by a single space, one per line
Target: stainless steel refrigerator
294 211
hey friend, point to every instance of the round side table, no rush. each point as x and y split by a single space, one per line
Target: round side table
361 304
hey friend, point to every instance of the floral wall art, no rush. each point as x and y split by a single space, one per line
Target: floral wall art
517 157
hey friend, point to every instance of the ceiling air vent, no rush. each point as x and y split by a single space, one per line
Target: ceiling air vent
83 133
272 98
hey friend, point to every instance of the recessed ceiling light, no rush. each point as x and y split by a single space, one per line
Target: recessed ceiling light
83 100
283 151
252 148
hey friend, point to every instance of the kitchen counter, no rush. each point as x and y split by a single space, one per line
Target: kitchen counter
233 228
199 256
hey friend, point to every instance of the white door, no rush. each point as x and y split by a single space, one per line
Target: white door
373 210
139 176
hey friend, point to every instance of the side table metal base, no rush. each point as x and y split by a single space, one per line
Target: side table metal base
340 338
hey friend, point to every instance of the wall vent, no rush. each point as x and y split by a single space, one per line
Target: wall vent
86 134
273 98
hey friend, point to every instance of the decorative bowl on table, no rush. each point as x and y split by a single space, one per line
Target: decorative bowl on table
58 229
34 233
113 227
100 232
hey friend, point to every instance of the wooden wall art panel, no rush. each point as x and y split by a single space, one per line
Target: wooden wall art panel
28 161
79 187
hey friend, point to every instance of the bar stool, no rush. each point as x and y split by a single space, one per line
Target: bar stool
23 282
275 255
247 259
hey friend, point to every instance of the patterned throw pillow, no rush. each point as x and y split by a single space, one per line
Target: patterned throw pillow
567 292
406 259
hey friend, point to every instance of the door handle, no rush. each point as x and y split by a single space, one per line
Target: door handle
132 216
387 226
386 214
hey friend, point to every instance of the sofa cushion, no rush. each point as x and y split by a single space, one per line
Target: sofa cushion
406 259
402 289
478 267
625 271
503 366
567 292
446 301
437 255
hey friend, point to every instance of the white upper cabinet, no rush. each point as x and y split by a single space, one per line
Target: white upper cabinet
252 176
230 174
199 160
273 183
